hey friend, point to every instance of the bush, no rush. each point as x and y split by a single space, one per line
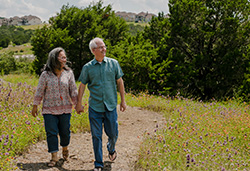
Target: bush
7 62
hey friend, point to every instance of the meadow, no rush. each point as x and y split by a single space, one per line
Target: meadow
197 135
24 49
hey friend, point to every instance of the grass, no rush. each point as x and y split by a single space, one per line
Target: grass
196 136
33 27
24 49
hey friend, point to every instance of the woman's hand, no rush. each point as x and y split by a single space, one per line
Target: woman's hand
34 111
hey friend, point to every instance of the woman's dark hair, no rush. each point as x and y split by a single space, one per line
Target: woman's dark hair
53 63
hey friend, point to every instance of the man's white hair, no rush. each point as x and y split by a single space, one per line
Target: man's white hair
92 43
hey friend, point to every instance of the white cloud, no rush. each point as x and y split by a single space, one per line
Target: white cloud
30 8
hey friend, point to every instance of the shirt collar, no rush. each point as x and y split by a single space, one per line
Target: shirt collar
104 60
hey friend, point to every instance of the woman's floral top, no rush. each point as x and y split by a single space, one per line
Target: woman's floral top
58 94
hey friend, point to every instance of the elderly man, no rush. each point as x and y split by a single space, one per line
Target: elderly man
103 76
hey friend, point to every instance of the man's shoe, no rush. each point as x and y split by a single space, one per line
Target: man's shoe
97 169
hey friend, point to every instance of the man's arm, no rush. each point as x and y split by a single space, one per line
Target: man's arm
79 107
121 89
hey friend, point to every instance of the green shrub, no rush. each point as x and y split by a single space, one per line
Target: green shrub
7 62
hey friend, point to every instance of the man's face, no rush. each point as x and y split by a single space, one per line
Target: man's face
100 50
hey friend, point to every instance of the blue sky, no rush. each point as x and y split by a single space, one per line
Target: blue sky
45 9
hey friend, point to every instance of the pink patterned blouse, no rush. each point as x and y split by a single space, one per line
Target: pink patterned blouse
58 94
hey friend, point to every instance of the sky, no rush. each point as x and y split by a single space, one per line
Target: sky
44 9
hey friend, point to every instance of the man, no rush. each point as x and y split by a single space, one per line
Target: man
102 74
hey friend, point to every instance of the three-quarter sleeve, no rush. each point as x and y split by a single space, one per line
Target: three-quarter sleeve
40 91
73 89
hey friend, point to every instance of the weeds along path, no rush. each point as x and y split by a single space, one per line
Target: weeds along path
133 123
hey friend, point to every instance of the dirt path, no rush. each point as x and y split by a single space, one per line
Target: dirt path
132 124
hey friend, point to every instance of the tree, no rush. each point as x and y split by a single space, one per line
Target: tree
209 40
5 36
7 62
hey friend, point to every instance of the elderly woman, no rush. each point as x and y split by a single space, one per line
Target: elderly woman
58 91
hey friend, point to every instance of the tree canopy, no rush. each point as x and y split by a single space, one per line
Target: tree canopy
16 35
207 43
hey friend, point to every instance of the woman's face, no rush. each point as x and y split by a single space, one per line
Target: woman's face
62 59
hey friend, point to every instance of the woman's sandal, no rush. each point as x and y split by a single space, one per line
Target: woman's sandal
65 154
52 163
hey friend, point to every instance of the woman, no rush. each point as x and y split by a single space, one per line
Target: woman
58 90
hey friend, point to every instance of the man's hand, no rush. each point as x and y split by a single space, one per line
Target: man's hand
123 106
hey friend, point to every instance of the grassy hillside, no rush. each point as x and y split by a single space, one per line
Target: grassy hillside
33 27
24 49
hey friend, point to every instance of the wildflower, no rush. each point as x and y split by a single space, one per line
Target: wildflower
188 160
27 122
6 154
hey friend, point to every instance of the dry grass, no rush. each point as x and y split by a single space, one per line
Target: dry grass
24 49
33 27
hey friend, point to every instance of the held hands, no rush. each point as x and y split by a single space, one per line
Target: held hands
79 108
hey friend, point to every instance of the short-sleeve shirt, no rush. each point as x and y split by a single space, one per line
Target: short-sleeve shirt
101 79
58 94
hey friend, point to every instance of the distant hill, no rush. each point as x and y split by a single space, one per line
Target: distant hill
20 21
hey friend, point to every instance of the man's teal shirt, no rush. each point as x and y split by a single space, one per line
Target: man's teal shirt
101 79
